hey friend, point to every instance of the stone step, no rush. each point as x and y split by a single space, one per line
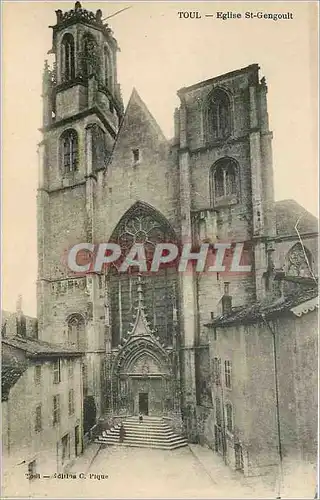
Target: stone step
146 429
129 439
151 446
149 418
143 430
150 423
140 432
136 440
152 432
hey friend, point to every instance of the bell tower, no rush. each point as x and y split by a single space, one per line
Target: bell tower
84 76
82 111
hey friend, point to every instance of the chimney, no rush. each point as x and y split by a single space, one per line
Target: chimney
20 319
226 299
19 305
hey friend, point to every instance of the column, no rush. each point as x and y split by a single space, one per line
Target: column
187 296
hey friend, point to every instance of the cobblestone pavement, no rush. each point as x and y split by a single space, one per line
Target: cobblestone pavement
194 472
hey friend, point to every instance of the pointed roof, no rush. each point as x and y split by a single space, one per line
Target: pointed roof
136 107
135 100
288 213
141 344
141 325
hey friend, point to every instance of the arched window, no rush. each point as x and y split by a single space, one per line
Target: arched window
229 417
90 56
68 66
219 115
142 224
224 181
299 261
100 154
69 150
76 328
108 68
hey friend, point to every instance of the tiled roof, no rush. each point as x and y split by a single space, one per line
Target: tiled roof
10 374
39 348
288 212
268 309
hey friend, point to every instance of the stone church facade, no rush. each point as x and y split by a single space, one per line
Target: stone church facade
109 174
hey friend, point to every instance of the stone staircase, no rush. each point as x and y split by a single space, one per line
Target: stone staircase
152 432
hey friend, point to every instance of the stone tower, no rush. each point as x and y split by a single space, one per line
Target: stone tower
82 109
223 143
99 182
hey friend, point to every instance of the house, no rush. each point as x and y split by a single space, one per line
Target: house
264 380
42 422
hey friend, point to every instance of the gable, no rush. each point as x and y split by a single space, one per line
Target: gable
139 130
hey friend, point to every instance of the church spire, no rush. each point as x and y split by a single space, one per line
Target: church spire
140 293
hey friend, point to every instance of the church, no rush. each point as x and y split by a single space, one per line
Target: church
108 173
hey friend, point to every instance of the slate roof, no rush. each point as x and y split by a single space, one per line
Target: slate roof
253 313
135 102
39 348
287 214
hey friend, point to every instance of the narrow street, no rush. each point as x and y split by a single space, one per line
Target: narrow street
147 473
191 472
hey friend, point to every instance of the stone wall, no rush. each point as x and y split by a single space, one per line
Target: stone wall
23 443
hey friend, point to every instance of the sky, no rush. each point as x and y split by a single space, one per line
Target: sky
160 53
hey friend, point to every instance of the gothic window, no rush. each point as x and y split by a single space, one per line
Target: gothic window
68 66
218 115
144 225
90 56
108 67
69 149
75 330
100 153
299 262
224 181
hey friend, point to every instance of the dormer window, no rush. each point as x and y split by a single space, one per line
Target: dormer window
69 149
